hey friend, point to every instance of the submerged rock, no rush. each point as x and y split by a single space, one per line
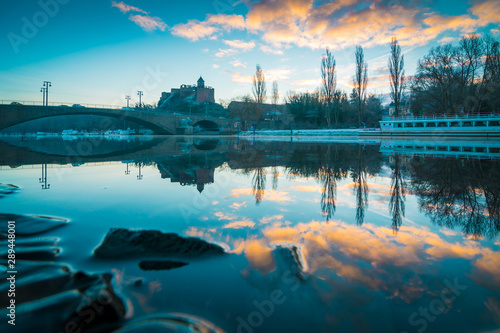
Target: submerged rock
28 225
126 243
6 189
56 299
155 265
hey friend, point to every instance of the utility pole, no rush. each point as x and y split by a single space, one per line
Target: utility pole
42 90
127 97
140 93
46 85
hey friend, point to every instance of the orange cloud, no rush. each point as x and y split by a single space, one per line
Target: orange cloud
239 44
124 8
148 23
239 225
195 29
344 23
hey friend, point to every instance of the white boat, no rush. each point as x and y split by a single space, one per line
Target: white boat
444 124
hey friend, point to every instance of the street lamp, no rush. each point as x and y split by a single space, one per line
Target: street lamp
46 85
42 90
140 176
43 180
127 97
140 93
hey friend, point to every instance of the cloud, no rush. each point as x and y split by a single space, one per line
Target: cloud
237 63
277 74
307 82
239 225
226 52
195 29
274 218
268 49
341 24
239 44
238 205
446 40
124 8
247 79
215 66
148 23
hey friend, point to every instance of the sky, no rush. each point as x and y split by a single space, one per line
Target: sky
97 52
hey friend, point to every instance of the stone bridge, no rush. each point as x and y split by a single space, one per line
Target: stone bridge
160 122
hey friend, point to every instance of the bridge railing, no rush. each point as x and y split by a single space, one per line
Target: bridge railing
446 116
63 104
103 106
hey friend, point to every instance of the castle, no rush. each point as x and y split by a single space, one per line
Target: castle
198 93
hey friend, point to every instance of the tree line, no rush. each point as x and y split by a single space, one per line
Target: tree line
449 79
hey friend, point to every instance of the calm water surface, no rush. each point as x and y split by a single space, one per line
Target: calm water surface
364 236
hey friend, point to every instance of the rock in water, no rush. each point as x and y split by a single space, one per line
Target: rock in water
29 225
126 243
156 265
6 189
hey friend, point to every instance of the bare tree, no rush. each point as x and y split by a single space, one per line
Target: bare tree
360 81
276 95
329 84
259 85
396 66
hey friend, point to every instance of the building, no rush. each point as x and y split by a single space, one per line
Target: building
404 109
198 93
265 115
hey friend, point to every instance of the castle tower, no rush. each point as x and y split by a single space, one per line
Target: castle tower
201 83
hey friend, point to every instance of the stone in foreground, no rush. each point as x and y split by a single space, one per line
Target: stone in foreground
126 243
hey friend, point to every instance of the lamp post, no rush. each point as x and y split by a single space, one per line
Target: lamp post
42 90
139 176
46 85
43 180
140 93
127 97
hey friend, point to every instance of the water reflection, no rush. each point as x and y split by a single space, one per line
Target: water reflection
398 193
460 193
43 180
357 237
361 189
258 185
455 193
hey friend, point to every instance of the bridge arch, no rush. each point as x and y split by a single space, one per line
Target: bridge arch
69 111
207 125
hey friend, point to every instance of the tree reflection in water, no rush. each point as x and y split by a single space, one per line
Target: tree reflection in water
276 175
460 193
454 193
259 184
360 186
328 179
398 193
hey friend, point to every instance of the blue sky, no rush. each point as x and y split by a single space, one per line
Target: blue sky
100 51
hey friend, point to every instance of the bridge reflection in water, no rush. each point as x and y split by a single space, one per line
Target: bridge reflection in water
457 183
161 123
